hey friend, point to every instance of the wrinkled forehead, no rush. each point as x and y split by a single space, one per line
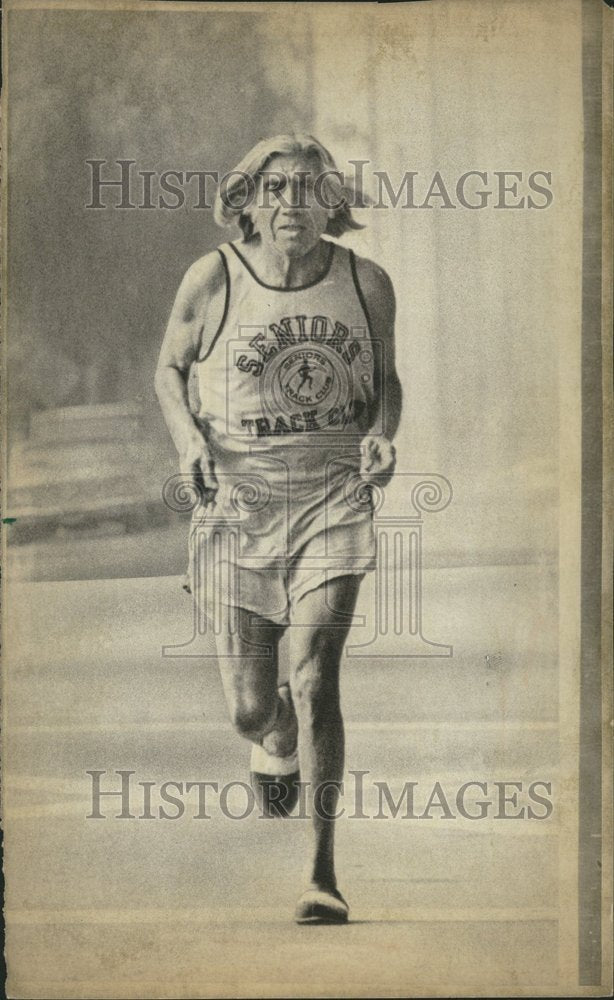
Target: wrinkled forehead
303 163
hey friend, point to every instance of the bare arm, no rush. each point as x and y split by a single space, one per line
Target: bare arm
187 328
378 292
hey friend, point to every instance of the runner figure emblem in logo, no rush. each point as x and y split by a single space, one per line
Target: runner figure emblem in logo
306 377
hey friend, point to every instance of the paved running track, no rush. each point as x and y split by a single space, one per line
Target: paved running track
203 907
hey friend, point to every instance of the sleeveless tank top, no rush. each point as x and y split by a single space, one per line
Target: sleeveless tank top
290 371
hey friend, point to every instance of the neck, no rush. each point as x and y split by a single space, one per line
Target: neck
287 271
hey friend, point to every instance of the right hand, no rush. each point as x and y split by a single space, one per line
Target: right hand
196 465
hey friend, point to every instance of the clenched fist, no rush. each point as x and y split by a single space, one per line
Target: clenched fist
196 465
378 459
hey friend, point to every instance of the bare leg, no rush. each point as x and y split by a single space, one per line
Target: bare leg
248 662
316 647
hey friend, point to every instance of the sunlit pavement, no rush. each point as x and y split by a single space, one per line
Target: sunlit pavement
200 907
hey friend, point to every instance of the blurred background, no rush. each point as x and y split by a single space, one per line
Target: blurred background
104 673
485 298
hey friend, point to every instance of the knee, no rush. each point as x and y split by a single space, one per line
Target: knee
251 719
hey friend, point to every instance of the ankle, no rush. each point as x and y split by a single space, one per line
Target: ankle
326 883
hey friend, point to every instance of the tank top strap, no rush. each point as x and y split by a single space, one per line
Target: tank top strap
237 261
231 262
341 265
355 282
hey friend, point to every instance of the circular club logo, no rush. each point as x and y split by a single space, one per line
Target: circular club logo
307 377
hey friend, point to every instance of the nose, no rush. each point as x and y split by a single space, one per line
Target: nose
294 195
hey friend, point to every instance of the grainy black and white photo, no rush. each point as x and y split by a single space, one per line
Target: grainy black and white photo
306 550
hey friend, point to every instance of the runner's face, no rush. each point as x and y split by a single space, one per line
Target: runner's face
286 213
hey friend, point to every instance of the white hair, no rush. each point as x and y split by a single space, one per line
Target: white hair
230 203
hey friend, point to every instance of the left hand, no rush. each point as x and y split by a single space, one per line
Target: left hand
378 459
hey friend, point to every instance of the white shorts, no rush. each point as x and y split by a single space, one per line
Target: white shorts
263 550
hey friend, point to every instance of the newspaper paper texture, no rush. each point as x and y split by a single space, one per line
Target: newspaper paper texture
306 508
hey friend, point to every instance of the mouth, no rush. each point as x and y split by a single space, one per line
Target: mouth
291 227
